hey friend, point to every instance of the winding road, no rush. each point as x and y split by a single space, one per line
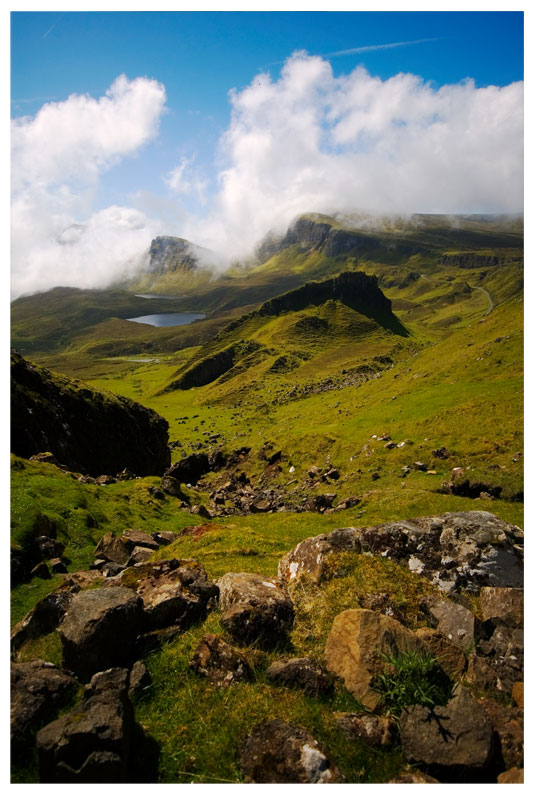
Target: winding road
491 304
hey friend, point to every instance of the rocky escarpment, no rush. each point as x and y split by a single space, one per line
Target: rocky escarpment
86 430
357 290
170 253
475 260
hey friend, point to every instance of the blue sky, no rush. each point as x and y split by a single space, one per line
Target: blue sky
198 57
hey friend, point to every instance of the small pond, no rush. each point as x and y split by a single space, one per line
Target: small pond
167 320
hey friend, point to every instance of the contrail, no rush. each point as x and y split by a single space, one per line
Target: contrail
52 26
369 47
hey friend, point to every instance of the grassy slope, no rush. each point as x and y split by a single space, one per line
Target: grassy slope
451 384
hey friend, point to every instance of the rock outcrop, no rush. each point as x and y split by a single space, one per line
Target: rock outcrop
86 430
255 608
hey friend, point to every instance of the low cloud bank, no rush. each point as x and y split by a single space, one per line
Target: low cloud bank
309 141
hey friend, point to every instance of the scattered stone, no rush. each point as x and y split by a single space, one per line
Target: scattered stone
440 452
201 510
139 679
171 486
332 474
93 743
38 691
42 619
105 480
58 566
139 554
453 741
164 537
513 775
255 608
419 465
508 726
450 657
307 558
507 604
457 623
260 505
173 592
99 629
219 662
111 568
375 476
375 731
300 673
277 752
112 548
40 571
390 446
358 640
48 547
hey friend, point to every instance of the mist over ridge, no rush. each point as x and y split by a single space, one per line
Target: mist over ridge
309 141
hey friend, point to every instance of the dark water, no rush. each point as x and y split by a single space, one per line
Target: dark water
167 320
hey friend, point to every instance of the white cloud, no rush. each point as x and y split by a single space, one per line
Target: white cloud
182 180
315 142
57 159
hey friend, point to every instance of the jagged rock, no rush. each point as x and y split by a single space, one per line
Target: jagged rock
171 486
504 651
164 537
139 554
58 566
508 726
40 571
48 547
189 469
139 679
105 480
91 744
219 662
440 452
481 675
383 603
454 621
504 603
307 558
99 629
276 752
358 640
42 619
88 431
375 731
112 548
202 511
450 657
134 538
255 608
513 775
173 592
301 673
260 505
38 691
453 741
110 568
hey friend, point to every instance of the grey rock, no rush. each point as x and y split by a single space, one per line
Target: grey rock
308 557
301 673
99 629
219 662
276 752
255 608
42 619
375 731
453 620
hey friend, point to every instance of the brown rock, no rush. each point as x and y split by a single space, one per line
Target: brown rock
518 694
112 548
450 657
255 608
375 731
300 673
356 644
508 726
220 663
139 554
453 741
454 621
481 675
503 602
276 752
513 775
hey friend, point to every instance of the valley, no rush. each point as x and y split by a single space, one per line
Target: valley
355 382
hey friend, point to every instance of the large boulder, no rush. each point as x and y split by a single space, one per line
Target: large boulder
91 744
277 752
358 640
453 742
504 603
308 557
174 592
459 550
86 430
99 629
38 691
219 662
42 619
255 608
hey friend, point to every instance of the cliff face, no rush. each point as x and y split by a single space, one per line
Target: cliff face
169 253
86 430
356 290
474 260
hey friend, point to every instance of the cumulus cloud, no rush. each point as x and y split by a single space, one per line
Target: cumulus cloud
57 159
311 141
182 180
